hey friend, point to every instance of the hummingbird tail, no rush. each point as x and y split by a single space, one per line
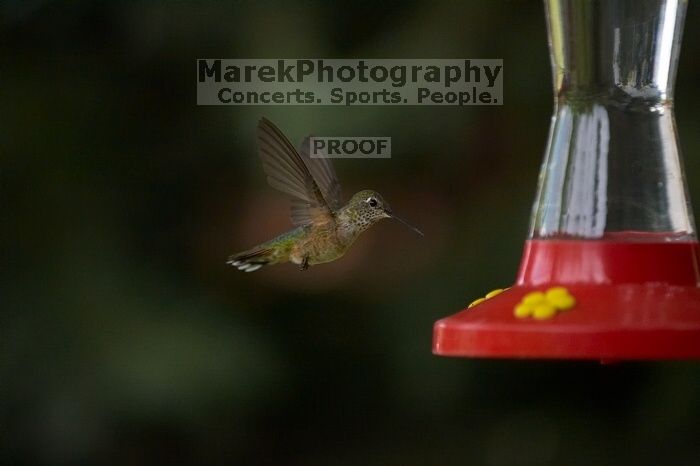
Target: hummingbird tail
251 260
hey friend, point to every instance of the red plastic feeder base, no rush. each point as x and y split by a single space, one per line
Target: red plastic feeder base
634 300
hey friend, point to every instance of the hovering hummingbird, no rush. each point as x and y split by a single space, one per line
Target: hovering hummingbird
325 228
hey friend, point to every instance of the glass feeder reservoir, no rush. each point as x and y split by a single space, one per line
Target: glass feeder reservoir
610 268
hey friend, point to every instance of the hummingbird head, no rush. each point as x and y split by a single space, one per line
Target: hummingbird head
368 207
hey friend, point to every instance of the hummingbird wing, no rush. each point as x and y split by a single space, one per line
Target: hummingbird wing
324 174
287 172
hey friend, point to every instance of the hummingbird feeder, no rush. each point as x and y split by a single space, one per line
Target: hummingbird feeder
610 268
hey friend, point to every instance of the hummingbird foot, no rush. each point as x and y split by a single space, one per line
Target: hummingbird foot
304 264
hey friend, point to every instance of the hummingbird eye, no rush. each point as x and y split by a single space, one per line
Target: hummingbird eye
372 202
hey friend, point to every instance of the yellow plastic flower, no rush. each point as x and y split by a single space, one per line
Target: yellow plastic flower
544 305
489 295
493 293
476 301
560 298
523 310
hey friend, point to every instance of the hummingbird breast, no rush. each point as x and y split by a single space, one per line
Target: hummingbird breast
320 244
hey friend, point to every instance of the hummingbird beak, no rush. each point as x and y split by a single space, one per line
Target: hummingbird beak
391 215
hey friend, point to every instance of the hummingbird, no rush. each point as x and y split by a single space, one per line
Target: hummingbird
325 228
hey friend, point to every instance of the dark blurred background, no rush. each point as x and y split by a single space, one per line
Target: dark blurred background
126 340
